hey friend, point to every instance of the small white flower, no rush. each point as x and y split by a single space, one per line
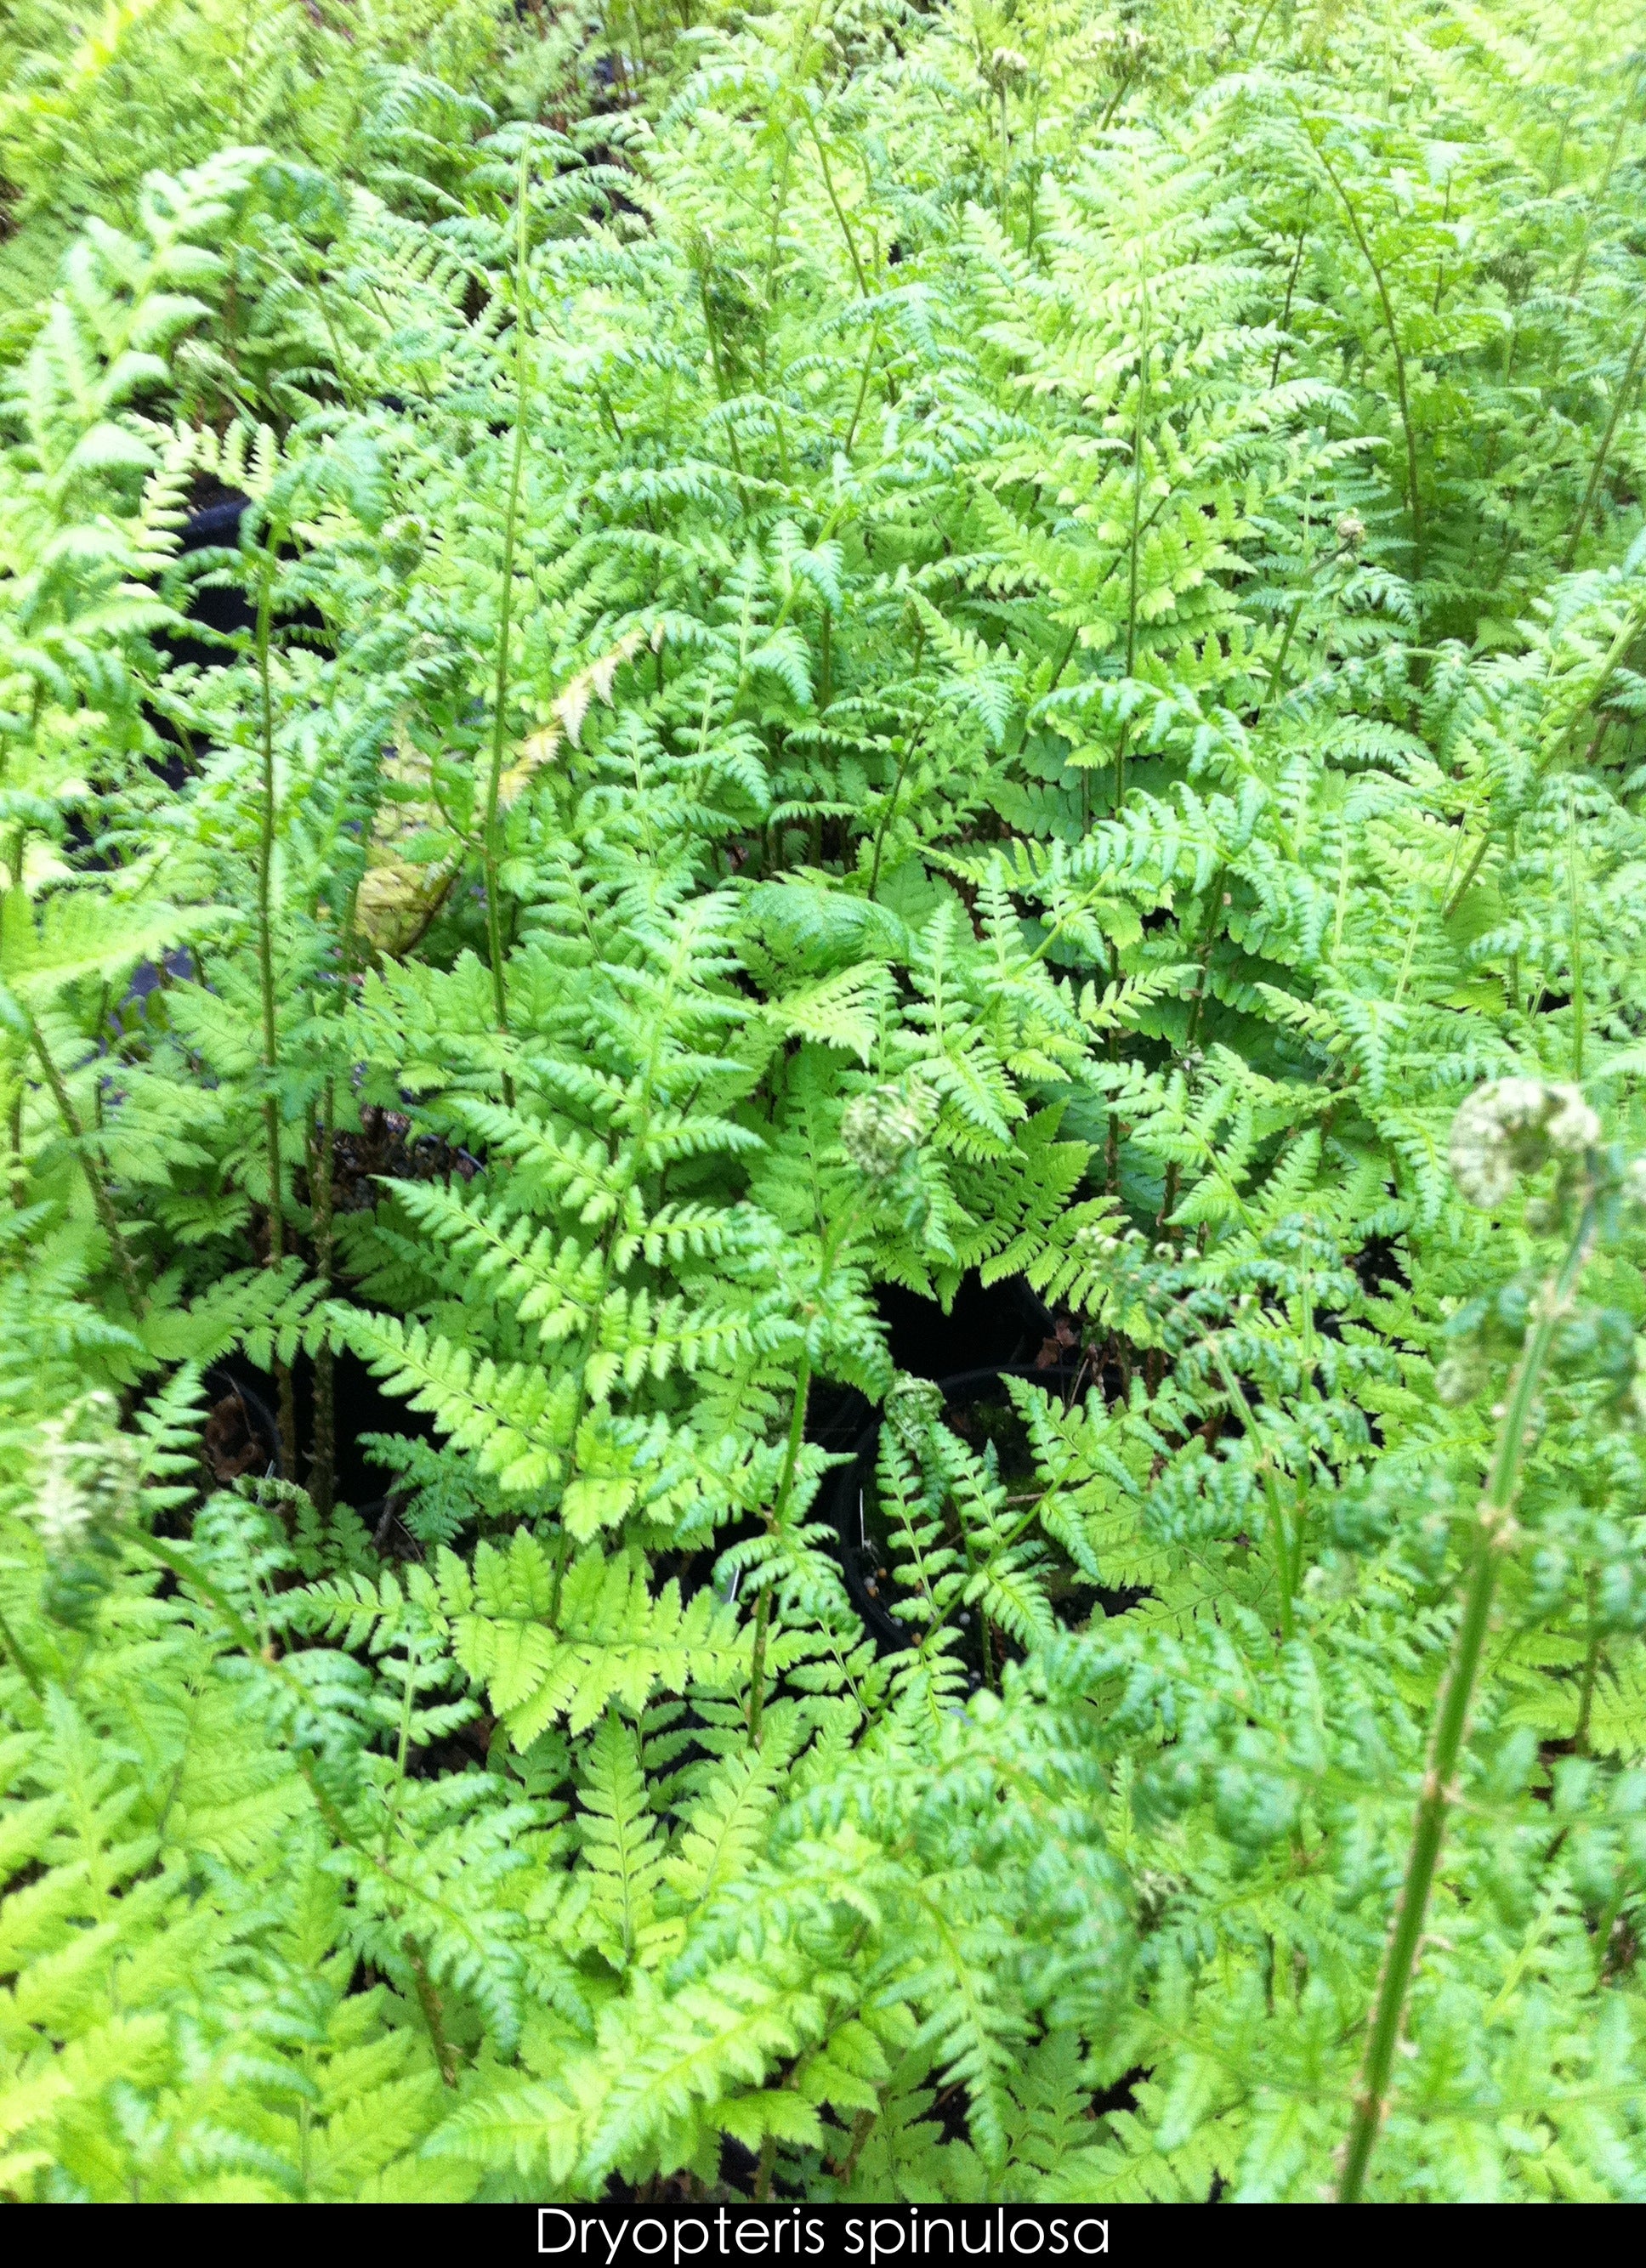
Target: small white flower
1459 1378
85 1474
1511 1127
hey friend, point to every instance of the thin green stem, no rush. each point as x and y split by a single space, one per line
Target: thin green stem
26 1668
1591 1667
1284 1573
1494 1535
1625 636
491 847
94 1180
1139 417
1598 471
323 1477
786 1489
910 745
433 2012
840 211
1415 499
1291 286
1576 940
268 828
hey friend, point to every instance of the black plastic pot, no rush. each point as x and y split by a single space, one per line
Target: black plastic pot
988 1327
241 1437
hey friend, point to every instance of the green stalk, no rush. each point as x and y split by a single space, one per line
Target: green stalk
1291 286
1493 1536
1615 652
1591 1667
267 815
1137 507
14 1123
721 385
840 211
1604 450
490 860
1400 360
1283 1570
1577 947
11 1644
431 2010
1624 115
323 1462
322 1472
95 1183
786 1489
885 818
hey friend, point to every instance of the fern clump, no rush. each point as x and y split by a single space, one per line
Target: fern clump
682 705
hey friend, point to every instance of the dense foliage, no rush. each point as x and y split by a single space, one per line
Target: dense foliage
863 652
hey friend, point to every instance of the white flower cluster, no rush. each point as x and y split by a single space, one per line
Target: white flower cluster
85 1472
1460 1378
1511 1127
1094 1236
879 1130
85 1475
1122 47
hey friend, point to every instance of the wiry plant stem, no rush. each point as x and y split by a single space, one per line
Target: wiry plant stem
762 1605
490 860
1137 509
1494 1535
94 1180
267 835
322 1480
1598 471
1415 500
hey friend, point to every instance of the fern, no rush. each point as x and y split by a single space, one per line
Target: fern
849 659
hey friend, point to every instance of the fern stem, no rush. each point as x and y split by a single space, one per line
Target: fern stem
490 860
862 389
14 1144
768 2166
1283 1571
1591 1667
1606 182
1619 645
1291 286
18 1174
1137 509
1263 22
1494 1532
722 390
910 746
267 828
774 1522
322 1475
1415 499
1576 942
1467 884
94 1180
433 2014
839 212
1279 663
1604 452
26 1668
